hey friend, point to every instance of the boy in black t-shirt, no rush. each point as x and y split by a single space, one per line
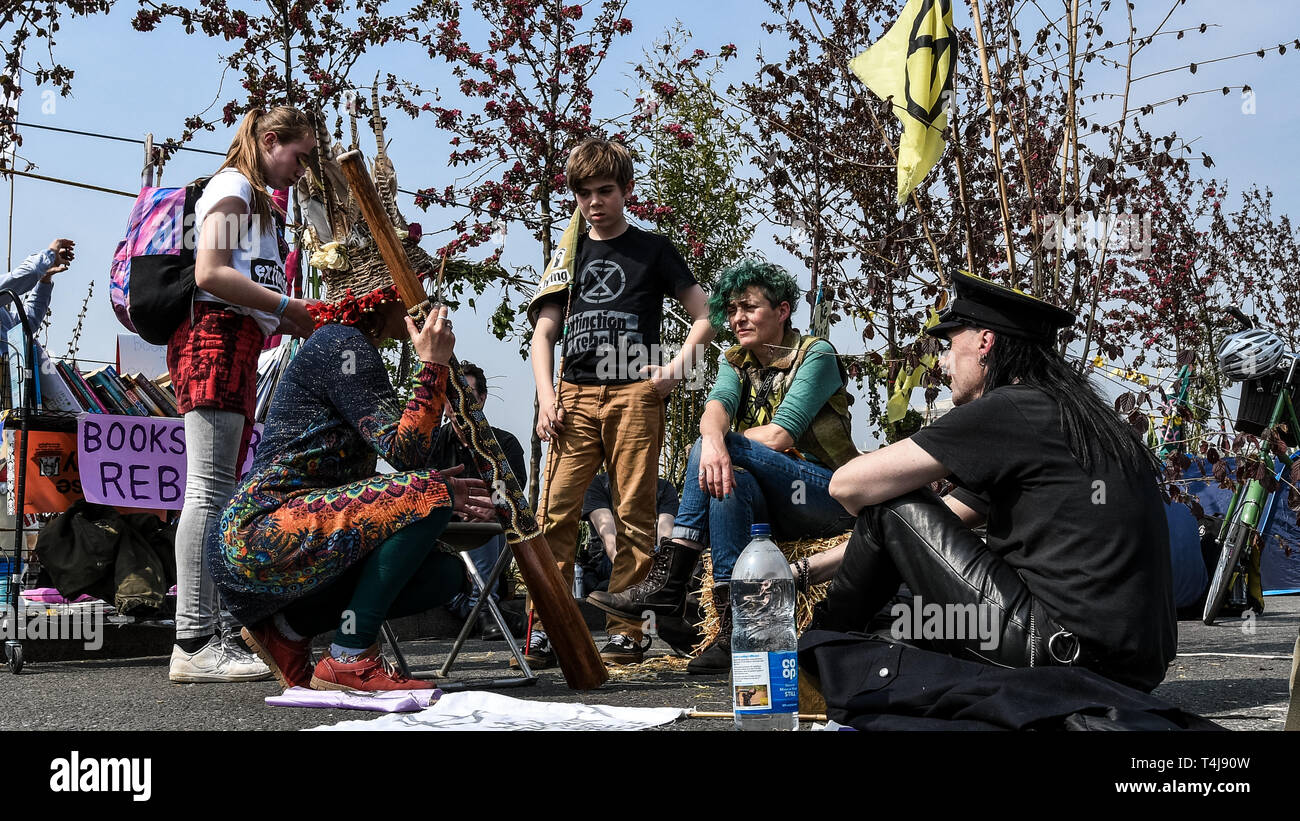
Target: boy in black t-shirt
610 406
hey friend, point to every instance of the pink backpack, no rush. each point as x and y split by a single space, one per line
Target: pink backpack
151 281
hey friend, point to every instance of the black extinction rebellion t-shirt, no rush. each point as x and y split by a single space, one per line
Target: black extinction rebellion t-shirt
618 305
1092 546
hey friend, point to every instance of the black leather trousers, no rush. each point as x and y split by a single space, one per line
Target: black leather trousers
982 608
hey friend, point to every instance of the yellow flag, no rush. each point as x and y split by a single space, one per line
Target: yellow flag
896 407
559 271
914 63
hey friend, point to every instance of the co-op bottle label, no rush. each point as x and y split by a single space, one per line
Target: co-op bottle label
765 682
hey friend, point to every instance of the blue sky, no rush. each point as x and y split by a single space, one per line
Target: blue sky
129 83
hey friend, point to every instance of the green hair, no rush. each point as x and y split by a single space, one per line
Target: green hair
774 281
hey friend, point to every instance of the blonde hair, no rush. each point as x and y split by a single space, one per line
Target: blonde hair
594 157
244 154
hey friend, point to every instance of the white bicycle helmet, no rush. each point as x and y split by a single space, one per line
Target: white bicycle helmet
1250 354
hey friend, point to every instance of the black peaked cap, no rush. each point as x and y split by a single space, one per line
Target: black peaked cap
980 303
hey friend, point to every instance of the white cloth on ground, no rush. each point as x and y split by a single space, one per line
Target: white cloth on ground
484 711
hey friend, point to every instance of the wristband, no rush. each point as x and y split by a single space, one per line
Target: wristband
284 303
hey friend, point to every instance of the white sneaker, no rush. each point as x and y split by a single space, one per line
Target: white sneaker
216 661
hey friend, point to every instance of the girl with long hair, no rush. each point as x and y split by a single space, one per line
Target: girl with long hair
241 297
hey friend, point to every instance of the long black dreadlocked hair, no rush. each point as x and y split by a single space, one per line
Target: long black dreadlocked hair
1093 430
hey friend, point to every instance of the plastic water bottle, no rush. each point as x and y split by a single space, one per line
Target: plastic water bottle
764 667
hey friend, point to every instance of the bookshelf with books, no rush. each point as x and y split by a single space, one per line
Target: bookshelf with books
80 388
103 390
162 398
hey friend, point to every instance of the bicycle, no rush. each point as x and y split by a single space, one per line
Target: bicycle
1255 357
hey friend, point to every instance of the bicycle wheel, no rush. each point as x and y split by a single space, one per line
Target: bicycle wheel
14 656
1234 540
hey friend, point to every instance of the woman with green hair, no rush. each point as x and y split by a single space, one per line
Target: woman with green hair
774 429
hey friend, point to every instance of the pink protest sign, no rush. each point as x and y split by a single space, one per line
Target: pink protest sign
137 461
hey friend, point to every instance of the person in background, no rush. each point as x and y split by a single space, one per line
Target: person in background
448 451
596 559
1189 574
598 510
34 276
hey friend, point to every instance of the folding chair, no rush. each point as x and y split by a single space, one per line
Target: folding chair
461 537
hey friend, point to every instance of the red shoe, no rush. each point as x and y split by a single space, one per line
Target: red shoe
289 660
371 672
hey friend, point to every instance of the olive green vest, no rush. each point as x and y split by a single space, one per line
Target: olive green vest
829 437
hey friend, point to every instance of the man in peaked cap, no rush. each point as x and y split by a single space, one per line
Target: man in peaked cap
1075 569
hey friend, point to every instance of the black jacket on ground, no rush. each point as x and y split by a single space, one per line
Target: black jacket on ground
871 683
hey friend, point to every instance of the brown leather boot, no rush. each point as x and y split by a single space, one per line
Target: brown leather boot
716 658
662 591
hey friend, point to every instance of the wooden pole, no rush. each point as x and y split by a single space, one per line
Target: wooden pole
146 176
1035 255
961 180
976 15
702 714
1069 141
1105 235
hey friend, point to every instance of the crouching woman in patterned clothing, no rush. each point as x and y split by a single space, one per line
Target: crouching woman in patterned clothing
315 537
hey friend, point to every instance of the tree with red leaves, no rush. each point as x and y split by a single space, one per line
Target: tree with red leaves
287 52
523 99
691 192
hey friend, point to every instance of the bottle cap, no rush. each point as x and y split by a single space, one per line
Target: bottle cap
760 530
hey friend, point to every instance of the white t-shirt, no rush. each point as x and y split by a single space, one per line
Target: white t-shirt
256 255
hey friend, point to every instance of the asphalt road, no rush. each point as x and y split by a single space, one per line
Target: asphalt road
1234 673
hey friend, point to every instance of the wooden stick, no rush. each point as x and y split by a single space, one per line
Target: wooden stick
977 17
1100 269
1069 139
703 714
961 181
1036 254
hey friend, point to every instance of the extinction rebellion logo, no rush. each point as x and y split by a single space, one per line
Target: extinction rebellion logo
603 281
940 73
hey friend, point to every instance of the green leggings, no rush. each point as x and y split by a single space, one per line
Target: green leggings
403 576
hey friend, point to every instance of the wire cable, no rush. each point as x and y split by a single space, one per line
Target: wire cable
122 139
68 182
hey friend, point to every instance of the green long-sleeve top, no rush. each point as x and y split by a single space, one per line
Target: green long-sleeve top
816 381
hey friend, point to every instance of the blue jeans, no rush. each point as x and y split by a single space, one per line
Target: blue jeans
791 494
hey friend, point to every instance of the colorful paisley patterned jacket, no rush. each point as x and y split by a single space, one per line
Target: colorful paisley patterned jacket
313 504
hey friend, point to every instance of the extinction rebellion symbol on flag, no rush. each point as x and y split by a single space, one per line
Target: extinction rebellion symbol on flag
938 46
913 66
